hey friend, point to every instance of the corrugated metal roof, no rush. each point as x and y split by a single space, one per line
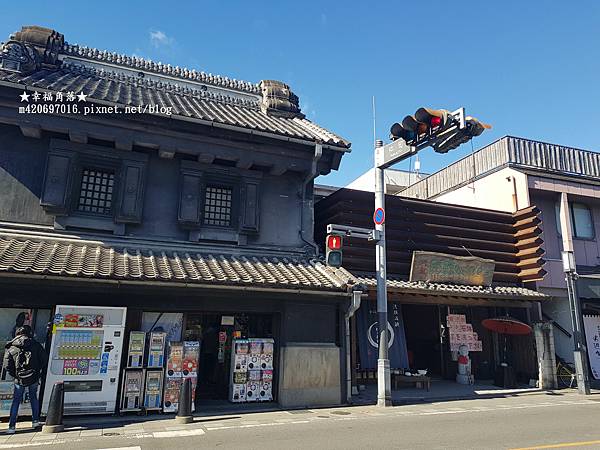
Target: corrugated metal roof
44 255
508 151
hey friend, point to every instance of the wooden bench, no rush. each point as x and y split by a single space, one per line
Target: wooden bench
420 381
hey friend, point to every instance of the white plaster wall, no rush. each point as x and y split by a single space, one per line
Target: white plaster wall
493 191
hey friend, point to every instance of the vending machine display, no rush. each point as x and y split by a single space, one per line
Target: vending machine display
135 353
156 349
174 359
85 354
132 389
182 363
154 390
251 370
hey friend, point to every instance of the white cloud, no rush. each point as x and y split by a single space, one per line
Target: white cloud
160 39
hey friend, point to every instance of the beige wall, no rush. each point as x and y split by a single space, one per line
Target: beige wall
493 191
310 375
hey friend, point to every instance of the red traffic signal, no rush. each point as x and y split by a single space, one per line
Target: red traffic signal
334 242
423 123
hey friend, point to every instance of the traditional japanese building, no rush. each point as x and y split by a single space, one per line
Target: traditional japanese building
445 262
183 196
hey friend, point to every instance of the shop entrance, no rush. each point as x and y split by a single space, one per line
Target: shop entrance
215 331
422 330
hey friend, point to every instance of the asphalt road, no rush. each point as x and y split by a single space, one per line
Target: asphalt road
514 423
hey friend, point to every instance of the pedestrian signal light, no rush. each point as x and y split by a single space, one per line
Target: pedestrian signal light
333 251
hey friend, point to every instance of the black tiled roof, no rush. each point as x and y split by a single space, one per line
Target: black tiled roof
42 255
123 80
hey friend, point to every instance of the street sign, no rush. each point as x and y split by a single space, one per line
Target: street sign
379 216
395 151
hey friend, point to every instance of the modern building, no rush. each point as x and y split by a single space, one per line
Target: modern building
183 196
514 173
395 181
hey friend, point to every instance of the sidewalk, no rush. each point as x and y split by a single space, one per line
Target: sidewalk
441 390
78 429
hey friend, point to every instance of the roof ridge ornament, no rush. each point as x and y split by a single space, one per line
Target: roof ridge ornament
278 99
18 57
30 49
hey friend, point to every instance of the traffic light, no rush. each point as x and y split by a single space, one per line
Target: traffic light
452 140
333 250
439 128
422 124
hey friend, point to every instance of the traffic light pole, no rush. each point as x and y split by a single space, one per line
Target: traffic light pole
384 386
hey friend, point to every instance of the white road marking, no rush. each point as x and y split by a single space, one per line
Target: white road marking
137 447
178 433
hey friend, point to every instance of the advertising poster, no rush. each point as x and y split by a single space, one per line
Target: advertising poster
591 325
170 323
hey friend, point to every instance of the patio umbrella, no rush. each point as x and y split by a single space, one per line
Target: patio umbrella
507 325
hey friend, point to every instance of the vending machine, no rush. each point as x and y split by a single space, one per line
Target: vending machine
182 363
85 354
153 395
135 351
251 370
157 341
132 390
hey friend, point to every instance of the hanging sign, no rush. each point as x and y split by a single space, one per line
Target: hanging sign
442 268
591 324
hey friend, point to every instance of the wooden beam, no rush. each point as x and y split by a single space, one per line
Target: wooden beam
78 137
33 131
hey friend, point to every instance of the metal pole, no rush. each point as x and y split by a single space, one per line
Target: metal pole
580 349
570 269
384 390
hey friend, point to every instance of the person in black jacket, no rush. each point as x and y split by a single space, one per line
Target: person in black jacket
24 360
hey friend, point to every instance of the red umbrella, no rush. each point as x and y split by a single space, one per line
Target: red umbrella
507 325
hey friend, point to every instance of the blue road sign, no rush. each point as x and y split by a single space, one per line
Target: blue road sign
379 216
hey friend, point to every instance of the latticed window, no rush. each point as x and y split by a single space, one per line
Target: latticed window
96 191
217 206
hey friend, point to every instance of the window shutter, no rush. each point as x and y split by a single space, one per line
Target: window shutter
57 182
131 191
249 220
190 204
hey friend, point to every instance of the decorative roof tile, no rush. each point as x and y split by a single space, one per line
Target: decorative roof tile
44 255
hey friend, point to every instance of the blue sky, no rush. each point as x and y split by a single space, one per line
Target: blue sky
530 69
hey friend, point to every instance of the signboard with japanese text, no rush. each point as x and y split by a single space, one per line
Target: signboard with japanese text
461 333
441 268
591 324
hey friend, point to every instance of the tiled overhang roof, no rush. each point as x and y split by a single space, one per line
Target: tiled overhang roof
457 290
92 260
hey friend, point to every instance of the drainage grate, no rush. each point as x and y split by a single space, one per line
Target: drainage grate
111 434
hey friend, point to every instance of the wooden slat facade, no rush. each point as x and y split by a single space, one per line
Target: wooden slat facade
513 241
